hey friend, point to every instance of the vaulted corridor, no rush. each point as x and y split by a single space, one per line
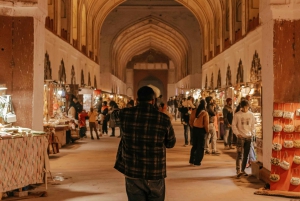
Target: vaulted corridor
87 167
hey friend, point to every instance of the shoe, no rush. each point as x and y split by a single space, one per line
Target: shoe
191 164
238 175
105 134
230 147
111 136
98 138
197 165
244 173
100 135
185 145
207 152
119 136
226 147
215 153
92 138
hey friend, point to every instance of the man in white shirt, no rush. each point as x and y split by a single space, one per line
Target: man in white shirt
243 127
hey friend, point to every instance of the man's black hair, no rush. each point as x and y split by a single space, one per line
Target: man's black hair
145 94
244 103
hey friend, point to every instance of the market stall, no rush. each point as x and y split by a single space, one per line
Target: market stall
55 110
23 152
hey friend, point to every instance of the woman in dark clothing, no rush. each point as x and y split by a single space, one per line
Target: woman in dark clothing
104 111
199 121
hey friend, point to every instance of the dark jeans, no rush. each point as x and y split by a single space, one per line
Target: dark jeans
93 127
198 148
113 129
145 190
82 132
68 137
242 149
104 127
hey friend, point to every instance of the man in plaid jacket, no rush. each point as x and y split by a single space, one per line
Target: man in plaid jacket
141 154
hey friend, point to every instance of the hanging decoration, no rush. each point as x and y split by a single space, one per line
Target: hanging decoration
228 76
219 79
73 78
255 73
240 73
62 73
89 80
95 81
212 81
47 68
82 78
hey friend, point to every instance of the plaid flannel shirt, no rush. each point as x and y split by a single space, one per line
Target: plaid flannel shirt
146 133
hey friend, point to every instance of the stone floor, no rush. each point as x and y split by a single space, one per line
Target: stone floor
87 169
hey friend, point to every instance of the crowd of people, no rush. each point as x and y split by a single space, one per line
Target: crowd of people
146 131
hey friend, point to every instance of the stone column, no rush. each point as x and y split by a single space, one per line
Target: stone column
280 61
22 58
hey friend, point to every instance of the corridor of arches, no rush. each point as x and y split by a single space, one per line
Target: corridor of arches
176 46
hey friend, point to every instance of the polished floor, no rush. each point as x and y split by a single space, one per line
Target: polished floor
88 173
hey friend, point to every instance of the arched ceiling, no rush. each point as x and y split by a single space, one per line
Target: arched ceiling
207 12
145 34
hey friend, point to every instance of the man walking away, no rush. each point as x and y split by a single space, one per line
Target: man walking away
141 154
243 127
228 116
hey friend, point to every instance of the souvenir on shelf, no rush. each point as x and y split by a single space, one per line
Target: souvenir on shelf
295 180
277 146
288 141
296 159
284 164
278 112
274 177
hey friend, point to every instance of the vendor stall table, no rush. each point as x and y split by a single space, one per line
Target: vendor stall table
22 162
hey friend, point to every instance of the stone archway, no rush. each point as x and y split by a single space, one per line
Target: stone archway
156 78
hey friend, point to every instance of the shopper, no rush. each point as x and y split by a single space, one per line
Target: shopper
104 112
243 127
199 123
78 107
176 104
211 136
112 124
227 117
92 122
82 123
141 154
163 108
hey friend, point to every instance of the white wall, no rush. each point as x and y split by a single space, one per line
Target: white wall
58 49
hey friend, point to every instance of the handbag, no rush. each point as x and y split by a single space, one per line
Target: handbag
288 114
288 141
284 164
289 128
295 180
277 127
278 112
298 112
296 142
274 177
296 159
277 146
275 160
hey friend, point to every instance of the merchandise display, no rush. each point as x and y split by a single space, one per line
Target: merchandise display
285 147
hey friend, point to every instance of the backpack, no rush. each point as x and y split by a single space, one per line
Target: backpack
114 117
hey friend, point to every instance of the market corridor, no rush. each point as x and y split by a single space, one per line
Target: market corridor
87 167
